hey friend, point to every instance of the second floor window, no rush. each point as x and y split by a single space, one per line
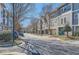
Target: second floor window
75 6
64 20
75 18
67 7
61 21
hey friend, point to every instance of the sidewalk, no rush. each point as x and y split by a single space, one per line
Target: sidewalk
73 42
41 37
12 50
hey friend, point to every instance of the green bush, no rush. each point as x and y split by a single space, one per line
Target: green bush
6 36
75 34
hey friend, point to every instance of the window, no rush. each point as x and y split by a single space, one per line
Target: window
78 18
55 14
67 7
64 20
75 18
61 11
73 28
75 6
61 21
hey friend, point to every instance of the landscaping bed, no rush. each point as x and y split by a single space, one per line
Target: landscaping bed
69 38
64 37
6 39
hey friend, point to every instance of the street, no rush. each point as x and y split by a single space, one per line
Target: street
41 45
37 45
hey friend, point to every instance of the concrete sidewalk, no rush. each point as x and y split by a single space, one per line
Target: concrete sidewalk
41 37
12 50
73 42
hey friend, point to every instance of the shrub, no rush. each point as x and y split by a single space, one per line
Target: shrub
6 36
76 33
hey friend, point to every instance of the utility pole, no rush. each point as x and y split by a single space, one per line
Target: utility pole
13 24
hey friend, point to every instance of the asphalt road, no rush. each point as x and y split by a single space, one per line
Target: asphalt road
37 46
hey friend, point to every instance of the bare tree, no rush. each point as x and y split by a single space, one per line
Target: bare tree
2 6
21 12
46 10
41 24
34 24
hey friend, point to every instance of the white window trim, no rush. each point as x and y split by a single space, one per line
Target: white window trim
78 18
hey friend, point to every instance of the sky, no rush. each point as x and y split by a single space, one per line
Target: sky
35 13
38 8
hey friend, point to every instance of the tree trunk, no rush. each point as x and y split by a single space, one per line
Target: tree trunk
40 27
3 19
67 34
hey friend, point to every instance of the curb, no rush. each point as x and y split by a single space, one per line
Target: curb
12 53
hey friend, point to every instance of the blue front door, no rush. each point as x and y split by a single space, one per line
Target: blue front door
61 31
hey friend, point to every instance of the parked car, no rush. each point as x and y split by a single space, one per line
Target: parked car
16 34
21 34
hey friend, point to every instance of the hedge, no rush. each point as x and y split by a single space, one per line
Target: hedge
6 36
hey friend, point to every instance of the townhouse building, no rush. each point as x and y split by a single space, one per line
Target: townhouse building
42 26
60 17
67 13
